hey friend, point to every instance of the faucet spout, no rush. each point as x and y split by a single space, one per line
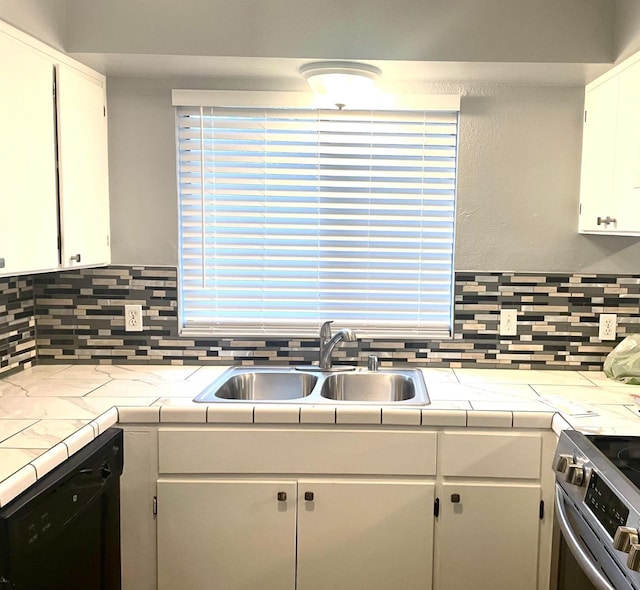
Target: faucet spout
329 342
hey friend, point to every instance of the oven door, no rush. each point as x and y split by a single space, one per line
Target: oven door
584 563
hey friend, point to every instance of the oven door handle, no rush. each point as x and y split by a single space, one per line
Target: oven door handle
576 547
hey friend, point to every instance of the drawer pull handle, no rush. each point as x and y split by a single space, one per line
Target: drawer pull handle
455 498
282 496
308 496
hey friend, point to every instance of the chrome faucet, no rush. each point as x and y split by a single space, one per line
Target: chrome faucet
328 342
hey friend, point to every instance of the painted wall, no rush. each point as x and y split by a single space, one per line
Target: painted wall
517 194
457 30
44 19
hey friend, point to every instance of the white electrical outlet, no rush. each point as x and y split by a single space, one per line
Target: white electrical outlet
608 326
133 318
508 322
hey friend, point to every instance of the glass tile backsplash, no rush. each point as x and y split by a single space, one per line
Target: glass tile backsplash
78 316
17 323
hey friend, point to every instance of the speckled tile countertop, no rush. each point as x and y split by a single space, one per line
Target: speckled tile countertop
49 412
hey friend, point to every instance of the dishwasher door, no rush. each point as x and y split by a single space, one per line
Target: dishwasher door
63 533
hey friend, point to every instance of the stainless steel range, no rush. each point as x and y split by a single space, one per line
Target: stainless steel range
598 511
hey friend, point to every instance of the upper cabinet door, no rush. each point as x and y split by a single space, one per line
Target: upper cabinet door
610 179
627 168
598 157
83 169
28 222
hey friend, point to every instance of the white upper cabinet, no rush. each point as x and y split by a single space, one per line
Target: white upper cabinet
610 179
626 175
28 223
54 193
83 168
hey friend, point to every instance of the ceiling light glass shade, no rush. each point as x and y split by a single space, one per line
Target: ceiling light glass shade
341 82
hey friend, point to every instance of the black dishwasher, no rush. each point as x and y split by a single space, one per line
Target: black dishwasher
63 533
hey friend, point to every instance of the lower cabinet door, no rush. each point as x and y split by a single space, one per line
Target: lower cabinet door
373 535
226 535
487 536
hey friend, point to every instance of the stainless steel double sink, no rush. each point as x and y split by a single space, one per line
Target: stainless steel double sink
288 384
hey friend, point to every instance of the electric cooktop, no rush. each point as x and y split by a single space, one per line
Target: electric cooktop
623 452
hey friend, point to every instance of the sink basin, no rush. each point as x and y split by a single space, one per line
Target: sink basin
262 384
288 385
369 387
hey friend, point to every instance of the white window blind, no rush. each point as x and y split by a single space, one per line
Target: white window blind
290 217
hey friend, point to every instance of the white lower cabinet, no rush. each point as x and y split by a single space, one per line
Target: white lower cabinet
492 530
234 535
363 534
340 508
306 535
487 536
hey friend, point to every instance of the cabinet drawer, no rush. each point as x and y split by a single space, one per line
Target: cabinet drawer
237 450
490 455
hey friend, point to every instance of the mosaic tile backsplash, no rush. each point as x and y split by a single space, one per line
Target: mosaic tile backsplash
79 317
17 324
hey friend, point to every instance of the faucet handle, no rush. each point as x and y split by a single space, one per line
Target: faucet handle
325 330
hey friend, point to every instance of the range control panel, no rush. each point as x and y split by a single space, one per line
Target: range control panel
605 505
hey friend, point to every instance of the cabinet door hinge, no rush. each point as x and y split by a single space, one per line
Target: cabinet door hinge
585 116
541 510
59 242
436 507
104 111
155 505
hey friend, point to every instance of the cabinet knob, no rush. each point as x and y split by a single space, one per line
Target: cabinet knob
624 538
76 258
455 498
606 220
282 496
308 496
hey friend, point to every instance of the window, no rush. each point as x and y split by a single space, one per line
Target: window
293 216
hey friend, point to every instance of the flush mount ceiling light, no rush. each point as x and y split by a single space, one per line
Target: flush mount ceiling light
341 82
